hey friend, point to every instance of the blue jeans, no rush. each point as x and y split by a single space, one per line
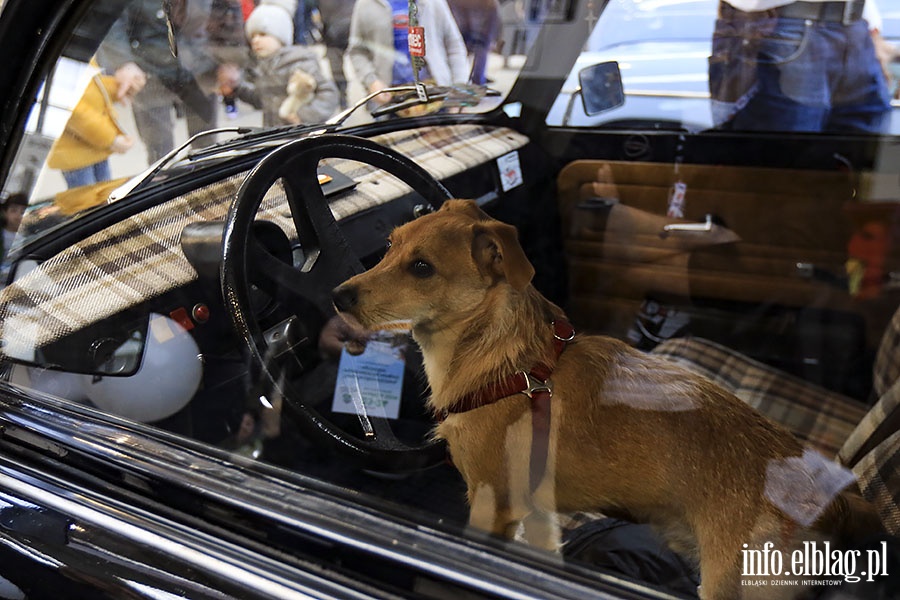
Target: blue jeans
88 175
781 74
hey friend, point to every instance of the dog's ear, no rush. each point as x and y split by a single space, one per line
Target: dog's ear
469 207
496 249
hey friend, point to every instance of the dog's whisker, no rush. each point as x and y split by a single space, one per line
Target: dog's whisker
396 325
385 319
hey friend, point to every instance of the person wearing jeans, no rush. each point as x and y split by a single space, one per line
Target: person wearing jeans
92 134
800 66
88 175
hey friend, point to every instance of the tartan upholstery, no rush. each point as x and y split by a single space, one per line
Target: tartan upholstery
873 449
887 360
878 473
140 257
822 418
865 439
880 422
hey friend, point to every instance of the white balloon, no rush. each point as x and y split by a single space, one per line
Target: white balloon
55 383
167 379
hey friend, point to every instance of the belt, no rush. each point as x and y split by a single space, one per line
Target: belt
829 12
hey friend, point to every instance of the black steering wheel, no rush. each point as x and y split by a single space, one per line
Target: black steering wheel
329 261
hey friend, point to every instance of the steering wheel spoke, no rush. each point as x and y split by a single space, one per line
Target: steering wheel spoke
321 238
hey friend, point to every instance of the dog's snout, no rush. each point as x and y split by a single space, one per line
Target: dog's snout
344 297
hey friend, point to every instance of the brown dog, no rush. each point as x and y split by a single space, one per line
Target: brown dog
628 433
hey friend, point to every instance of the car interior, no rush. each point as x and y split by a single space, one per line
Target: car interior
767 262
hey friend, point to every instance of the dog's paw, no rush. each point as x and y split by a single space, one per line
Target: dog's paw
541 531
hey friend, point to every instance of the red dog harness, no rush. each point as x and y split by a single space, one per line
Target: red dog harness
537 386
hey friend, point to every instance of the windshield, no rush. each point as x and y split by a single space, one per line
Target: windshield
591 319
137 82
634 21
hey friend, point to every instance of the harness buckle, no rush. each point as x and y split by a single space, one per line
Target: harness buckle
535 385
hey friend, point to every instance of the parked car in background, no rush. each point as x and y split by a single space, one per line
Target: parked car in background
182 414
663 48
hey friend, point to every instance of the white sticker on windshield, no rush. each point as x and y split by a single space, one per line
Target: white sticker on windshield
510 170
371 383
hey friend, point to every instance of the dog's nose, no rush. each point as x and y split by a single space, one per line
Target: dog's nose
344 297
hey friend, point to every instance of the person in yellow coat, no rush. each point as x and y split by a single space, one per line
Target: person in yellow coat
91 135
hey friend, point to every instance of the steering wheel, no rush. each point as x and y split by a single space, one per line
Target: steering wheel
329 262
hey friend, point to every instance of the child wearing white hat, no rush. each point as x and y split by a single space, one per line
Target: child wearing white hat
282 79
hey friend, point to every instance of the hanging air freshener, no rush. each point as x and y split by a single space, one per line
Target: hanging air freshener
679 188
416 41
676 200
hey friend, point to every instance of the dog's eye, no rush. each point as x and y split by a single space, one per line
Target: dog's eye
421 269
387 245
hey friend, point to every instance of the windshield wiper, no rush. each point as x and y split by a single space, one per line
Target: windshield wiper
256 135
407 96
338 119
151 171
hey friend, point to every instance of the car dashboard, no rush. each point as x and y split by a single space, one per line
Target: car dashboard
131 318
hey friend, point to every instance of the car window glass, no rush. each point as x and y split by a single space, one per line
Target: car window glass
664 51
119 100
764 262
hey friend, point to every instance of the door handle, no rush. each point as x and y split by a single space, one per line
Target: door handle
705 226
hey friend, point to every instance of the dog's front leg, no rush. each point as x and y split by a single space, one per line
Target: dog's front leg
496 514
498 478
505 507
492 511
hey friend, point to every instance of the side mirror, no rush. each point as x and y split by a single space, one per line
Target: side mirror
601 87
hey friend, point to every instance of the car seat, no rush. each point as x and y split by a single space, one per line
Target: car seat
862 438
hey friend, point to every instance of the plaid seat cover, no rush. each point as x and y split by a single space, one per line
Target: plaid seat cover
878 473
140 257
879 423
884 418
822 418
873 449
887 361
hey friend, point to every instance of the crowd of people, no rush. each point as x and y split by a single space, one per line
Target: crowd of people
165 62
772 67
262 53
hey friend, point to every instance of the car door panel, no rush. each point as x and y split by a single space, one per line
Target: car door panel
773 258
